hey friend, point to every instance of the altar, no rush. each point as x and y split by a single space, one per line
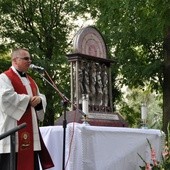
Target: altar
101 148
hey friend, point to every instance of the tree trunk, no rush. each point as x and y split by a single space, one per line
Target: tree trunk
166 83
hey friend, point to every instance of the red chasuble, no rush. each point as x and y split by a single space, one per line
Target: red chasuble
25 135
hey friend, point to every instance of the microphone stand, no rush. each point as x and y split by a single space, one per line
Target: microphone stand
64 132
65 102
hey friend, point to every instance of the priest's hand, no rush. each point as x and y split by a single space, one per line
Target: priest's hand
35 100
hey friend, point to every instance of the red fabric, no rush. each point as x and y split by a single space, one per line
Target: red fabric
44 155
25 151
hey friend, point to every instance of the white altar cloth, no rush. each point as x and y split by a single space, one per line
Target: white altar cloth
101 148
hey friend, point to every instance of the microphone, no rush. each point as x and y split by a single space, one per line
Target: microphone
38 68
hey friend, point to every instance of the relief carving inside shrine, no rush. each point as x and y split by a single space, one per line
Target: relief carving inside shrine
93 81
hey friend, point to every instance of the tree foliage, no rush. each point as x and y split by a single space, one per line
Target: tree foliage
42 27
135 33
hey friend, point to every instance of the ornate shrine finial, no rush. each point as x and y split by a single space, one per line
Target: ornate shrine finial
90 42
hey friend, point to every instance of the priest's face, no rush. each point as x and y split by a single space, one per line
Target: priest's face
22 61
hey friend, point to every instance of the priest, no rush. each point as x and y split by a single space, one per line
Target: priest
21 102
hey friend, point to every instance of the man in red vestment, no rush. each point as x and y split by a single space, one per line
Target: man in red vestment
21 102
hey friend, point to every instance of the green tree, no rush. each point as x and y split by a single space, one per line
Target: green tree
135 32
130 107
42 26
